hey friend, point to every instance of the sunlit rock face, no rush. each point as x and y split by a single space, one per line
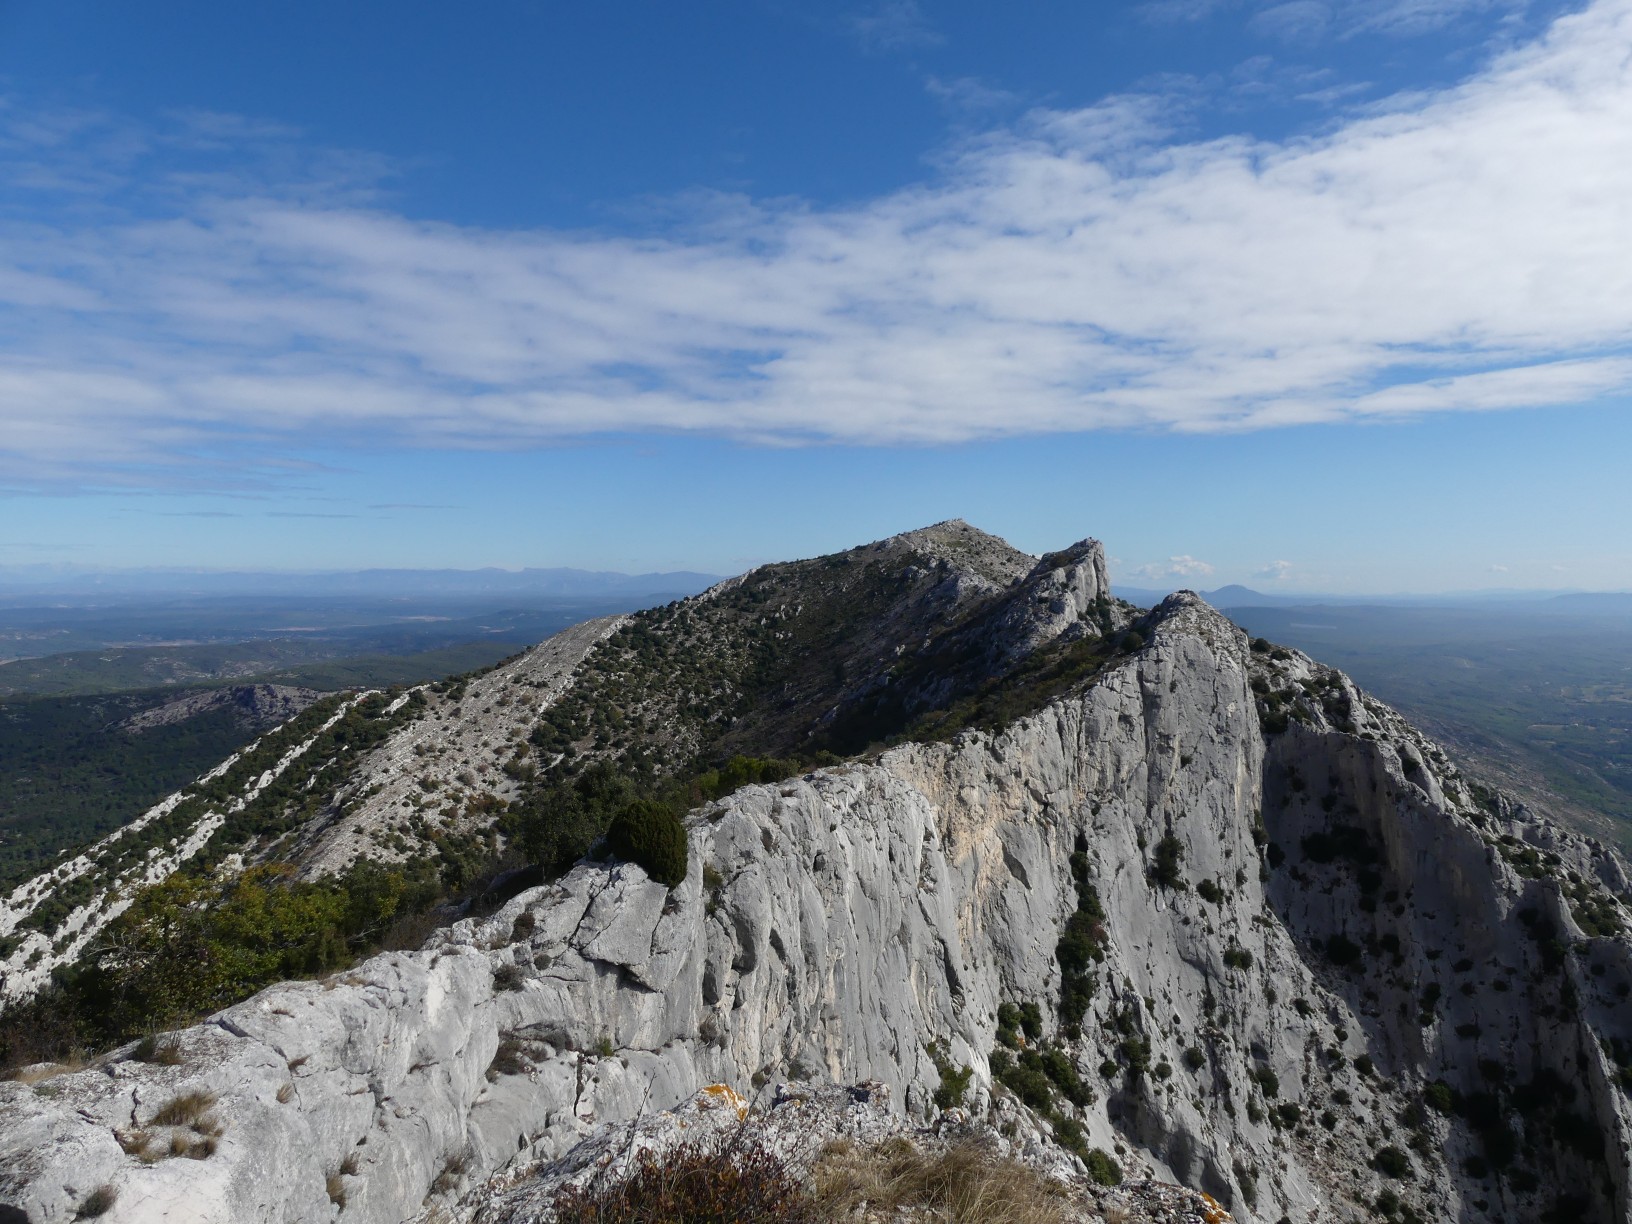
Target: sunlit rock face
1315 969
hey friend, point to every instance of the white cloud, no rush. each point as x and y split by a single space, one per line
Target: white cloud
1173 567
1498 569
1460 251
1275 571
892 25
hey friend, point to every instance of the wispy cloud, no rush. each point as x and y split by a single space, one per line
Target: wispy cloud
1173 567
1275 571
892 25
1305 20
1460 251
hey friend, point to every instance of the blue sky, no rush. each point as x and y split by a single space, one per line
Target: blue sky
1322 295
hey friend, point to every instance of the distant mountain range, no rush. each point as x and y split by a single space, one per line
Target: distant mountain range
1594 604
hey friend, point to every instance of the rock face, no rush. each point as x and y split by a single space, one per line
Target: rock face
1312 971
255 706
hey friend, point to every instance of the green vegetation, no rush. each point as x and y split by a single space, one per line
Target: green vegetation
322 664
650 834
1040 1075
73 771
1082 943
556 822
954 1080
69 773
1164 864
193 944
1103 1168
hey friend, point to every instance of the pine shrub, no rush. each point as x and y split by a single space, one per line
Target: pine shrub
649 833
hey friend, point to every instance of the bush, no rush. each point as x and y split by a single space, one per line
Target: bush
1439 1096
1391 1162
97 1203
730 1180
650 834
1164 867
1103 1168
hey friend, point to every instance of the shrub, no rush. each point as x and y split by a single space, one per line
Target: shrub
722 1180
508 977
650 834
97 1203
1164 866
1102 1167
1194 1058
1439 1096
1268 1081
954 1080
163 1051
1210 892
1391 1162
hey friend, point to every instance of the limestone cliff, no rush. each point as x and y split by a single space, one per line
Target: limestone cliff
1210 909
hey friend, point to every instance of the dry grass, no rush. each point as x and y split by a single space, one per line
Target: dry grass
162 1050
336 1187
41 1072
189 1109
453 1171
140 1144
286 1093
967 1183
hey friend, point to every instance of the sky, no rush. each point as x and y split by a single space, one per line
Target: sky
1324 295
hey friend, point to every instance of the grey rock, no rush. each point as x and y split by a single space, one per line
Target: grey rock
874 917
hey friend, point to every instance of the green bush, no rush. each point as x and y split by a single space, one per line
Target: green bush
649 833
1102 1167
1391 1162
1164 867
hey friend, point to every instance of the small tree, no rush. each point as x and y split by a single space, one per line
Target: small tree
1164 868
649 833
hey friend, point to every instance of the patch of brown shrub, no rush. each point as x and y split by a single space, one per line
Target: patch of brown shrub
966 1183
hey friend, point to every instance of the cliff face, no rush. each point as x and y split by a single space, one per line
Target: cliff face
1215 912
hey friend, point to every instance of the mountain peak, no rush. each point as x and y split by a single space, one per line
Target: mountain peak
955 541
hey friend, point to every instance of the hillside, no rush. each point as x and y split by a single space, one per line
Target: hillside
1130 895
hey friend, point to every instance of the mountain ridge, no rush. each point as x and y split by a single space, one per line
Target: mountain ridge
1161 890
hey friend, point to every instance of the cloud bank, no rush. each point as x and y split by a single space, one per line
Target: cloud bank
1460 251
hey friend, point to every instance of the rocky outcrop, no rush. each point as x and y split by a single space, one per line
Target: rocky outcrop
256 706
1246 1008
